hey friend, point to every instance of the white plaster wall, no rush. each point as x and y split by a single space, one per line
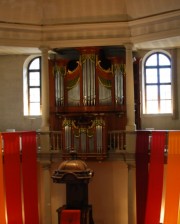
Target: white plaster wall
108 192
11 95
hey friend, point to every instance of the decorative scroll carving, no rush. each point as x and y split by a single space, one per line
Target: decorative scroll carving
72 85
105 83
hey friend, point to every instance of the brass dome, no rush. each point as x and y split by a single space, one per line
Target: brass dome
72 170
73 165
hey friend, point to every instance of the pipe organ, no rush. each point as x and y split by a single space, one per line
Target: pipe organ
87 97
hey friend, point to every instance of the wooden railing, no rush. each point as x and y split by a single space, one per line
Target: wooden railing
54 139
116 141
51 143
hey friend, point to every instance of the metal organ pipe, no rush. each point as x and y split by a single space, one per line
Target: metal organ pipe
118 84
99 138
59 87
88 66
67 137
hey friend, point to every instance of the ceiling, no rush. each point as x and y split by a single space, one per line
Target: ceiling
26 26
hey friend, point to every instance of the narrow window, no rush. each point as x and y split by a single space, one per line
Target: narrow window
34 86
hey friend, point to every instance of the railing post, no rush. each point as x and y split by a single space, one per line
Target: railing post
45 141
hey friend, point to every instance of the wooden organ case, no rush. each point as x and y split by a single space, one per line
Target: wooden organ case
87 98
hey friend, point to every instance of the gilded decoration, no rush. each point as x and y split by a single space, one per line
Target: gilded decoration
105 82
80 129
73 77
67 122
72 83
85 57
59 70
120 67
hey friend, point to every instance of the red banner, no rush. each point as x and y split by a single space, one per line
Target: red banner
142 143
12 173
29 173
155 182
2 191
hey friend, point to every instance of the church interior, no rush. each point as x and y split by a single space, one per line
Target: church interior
89 112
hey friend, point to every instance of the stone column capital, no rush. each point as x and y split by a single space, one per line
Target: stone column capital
128 46
44 49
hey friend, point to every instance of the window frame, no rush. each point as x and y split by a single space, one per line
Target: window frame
26 80
158 83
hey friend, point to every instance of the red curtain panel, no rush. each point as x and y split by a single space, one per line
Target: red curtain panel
155 182
12 173
29 177
2 190
142 143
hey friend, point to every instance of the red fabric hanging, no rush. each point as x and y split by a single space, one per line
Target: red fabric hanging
29 173
142 143
70 216
155 183
2 190
12 178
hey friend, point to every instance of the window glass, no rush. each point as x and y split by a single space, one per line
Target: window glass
35 64
165 106
151 75
152 107
34 95
164 60
34 78
151 93
152 60
34 109
165 92
165 75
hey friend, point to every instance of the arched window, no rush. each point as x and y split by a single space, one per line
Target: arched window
157 84
32 87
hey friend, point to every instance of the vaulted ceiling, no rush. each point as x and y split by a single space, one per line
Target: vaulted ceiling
27 25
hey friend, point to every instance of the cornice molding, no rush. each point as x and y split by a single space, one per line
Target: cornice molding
15 26
87 34
155 19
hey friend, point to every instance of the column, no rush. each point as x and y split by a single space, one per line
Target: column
45 89
131 194
130 89
130 138
46 215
